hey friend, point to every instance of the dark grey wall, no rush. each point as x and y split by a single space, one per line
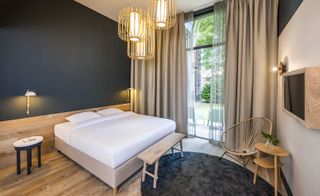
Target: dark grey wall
287 8
70 55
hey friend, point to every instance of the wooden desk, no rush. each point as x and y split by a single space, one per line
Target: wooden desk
269 163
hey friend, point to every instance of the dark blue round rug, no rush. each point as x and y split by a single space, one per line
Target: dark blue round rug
200 174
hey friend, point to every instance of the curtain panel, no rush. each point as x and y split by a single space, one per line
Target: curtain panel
160 84
189 30
217 111
251 52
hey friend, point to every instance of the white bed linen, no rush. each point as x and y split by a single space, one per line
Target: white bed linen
115 139
61 130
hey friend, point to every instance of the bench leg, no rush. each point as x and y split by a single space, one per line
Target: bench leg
144 171
155 177
181 149
115 190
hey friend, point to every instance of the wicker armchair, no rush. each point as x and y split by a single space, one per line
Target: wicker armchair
240 138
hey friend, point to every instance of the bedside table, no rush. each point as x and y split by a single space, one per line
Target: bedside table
28 144
270 162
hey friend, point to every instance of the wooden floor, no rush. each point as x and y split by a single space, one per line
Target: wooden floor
57 176
61 176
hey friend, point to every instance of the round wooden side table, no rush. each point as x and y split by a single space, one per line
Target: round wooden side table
269 162
28 144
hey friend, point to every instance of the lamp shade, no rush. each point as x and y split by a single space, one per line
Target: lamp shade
131 24
145 48
162 13
30 93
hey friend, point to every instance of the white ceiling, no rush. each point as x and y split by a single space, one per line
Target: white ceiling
111 8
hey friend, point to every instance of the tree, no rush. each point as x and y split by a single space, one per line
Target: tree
213 66
203 35
205 94
203 30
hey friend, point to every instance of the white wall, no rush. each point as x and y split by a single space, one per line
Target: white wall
300 43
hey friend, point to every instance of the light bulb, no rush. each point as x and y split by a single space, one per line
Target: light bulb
274 68
161 13
134 26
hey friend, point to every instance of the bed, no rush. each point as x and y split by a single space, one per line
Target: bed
107 146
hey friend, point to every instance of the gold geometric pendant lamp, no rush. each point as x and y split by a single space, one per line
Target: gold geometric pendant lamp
145 48
130 24
163 13
137 26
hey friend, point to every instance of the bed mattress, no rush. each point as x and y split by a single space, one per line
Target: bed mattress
115 139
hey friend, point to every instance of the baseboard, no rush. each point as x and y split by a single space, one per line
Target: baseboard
285 183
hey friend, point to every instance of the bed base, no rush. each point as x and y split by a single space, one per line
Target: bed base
111 176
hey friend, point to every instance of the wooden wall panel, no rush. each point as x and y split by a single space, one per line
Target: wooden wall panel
312 97
13 130
312 110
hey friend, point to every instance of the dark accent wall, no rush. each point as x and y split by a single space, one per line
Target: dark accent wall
68 54
287 8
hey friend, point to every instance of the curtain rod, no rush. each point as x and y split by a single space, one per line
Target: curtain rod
201 7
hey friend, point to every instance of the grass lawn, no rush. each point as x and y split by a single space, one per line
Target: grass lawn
202 112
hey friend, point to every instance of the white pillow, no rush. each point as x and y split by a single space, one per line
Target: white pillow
108 112
83 116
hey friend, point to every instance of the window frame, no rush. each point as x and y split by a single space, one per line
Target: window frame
199 14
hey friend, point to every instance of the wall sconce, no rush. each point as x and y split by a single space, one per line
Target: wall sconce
131 95
129 91
28 95
282 68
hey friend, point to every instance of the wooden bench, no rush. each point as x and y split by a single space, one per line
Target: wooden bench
153 154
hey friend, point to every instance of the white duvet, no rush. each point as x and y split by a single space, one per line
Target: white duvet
115 139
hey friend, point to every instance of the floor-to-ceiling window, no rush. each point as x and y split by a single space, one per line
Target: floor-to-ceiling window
206 111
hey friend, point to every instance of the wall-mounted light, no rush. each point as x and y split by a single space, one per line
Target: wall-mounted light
129 94
28 95
282 68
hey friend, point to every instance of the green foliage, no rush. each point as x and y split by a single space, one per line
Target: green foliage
206 58
205 93
204 30
270 138
203 35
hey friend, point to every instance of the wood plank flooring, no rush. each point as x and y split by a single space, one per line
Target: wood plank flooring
61 176
57 176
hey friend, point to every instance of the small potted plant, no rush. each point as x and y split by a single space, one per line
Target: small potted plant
271 141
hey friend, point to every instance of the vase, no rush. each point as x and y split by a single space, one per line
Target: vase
269 143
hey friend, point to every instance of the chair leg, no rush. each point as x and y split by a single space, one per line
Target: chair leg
245 165
244 162
223 155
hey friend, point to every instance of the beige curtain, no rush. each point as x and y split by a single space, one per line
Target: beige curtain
160 84
251 52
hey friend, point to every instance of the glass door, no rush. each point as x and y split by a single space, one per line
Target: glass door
206 78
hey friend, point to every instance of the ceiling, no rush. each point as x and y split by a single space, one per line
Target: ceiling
111 8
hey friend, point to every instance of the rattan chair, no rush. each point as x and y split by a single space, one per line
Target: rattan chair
240 138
